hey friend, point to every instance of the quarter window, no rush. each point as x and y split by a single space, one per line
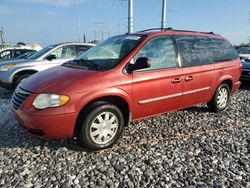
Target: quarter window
197 51
161 53
222 50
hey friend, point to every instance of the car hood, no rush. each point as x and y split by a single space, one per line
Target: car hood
59 79
246 65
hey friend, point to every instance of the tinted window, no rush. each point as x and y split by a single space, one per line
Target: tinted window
17 53
202 50
194 50
161 53
222 50
81 49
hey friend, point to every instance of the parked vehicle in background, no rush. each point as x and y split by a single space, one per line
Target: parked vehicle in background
127 77
244 53
23 56
13 53
245 74
26 55
13 72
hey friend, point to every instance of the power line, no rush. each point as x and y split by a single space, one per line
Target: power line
204 19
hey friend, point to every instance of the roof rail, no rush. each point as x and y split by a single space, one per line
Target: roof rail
157 29
171 29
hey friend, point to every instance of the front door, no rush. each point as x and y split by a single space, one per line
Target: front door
157 89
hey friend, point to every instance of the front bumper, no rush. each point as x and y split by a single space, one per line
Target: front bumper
52 126
6 85
5 80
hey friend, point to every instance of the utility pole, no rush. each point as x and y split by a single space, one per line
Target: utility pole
1 35
78 21
130 16
164 14
99 32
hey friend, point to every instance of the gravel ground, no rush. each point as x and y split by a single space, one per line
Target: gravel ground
187 148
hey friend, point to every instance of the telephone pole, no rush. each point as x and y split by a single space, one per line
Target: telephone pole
164 14
1 35
130 16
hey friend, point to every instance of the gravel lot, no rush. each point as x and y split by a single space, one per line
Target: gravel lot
187 148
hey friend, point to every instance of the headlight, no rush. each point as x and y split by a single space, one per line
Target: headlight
6 67
43 101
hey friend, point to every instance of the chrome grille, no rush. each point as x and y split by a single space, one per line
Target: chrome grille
18 97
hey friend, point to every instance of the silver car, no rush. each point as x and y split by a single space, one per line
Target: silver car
13 72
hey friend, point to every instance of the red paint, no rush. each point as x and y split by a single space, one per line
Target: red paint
84 86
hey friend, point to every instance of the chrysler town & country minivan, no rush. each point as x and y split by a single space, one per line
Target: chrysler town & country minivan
126 78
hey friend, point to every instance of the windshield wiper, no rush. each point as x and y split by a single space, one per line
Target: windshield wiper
88 63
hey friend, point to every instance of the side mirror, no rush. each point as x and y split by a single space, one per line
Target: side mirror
51 57
141 63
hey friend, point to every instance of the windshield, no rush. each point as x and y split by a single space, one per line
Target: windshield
244 50
108 54
41 52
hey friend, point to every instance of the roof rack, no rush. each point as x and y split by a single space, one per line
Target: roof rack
171 29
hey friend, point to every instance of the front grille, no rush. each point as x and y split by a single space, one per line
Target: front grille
19 96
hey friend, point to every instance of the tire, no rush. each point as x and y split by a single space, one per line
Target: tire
220 99
20 78
103 121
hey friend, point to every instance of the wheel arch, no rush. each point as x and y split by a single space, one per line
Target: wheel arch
23 72
117 99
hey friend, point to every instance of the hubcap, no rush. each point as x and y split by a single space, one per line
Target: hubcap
222 98
104 128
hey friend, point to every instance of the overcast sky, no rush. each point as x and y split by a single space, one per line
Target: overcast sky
52 21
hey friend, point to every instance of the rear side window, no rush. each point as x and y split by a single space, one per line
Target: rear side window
161 53
81 49
197 51
222 50
194 50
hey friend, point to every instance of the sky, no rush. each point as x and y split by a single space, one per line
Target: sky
54 21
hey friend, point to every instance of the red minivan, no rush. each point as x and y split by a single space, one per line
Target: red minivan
126 78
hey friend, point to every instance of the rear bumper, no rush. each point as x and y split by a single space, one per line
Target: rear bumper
54 126
236 86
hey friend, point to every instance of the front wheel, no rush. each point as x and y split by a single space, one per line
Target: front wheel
220 99
101 128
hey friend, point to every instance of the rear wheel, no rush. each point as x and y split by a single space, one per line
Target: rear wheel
101 128
220 99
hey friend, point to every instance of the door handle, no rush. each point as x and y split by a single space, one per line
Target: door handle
189 78
176 80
